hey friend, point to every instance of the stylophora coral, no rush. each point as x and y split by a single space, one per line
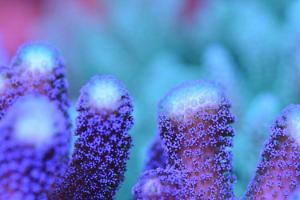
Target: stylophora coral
98 163
195 129
35 131
278 173
34 147
35 127
191 158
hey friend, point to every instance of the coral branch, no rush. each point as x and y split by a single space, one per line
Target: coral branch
196 132
278 173
194 123
99 160
39 68
10 89
157 156
161 184
34 145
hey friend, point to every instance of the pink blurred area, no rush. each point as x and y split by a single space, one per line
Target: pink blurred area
20 20
190 9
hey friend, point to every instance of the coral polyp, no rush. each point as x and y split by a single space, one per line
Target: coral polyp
278 173
34 146
102 149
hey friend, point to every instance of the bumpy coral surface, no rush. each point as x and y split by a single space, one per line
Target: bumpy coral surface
195 128
162 184
10 88
34 146
99 159
157 156
39 68
278 173
194 123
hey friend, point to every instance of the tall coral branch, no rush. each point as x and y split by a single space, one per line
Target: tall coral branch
99 160
195 128
37 69
194 123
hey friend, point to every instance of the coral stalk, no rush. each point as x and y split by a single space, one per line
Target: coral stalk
157 156
34 146
278 173
99 160
39 68
195 127
9 89
161 184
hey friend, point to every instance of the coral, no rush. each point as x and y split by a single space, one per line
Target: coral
102 149
195 128
191 158
196 132
36 81
34 145
39 68
157 156
162 184
277 175
35 131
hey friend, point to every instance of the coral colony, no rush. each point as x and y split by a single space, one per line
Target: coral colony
194 126
191 158
35 131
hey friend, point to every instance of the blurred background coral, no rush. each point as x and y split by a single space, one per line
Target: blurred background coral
251 47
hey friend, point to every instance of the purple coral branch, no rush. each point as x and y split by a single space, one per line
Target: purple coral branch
99 161
39 68
278 173
195 127
157 156
34 146
194 160
28 170
162 184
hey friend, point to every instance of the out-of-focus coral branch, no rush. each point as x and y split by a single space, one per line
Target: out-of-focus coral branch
34 146
35 128
157 156
277 175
